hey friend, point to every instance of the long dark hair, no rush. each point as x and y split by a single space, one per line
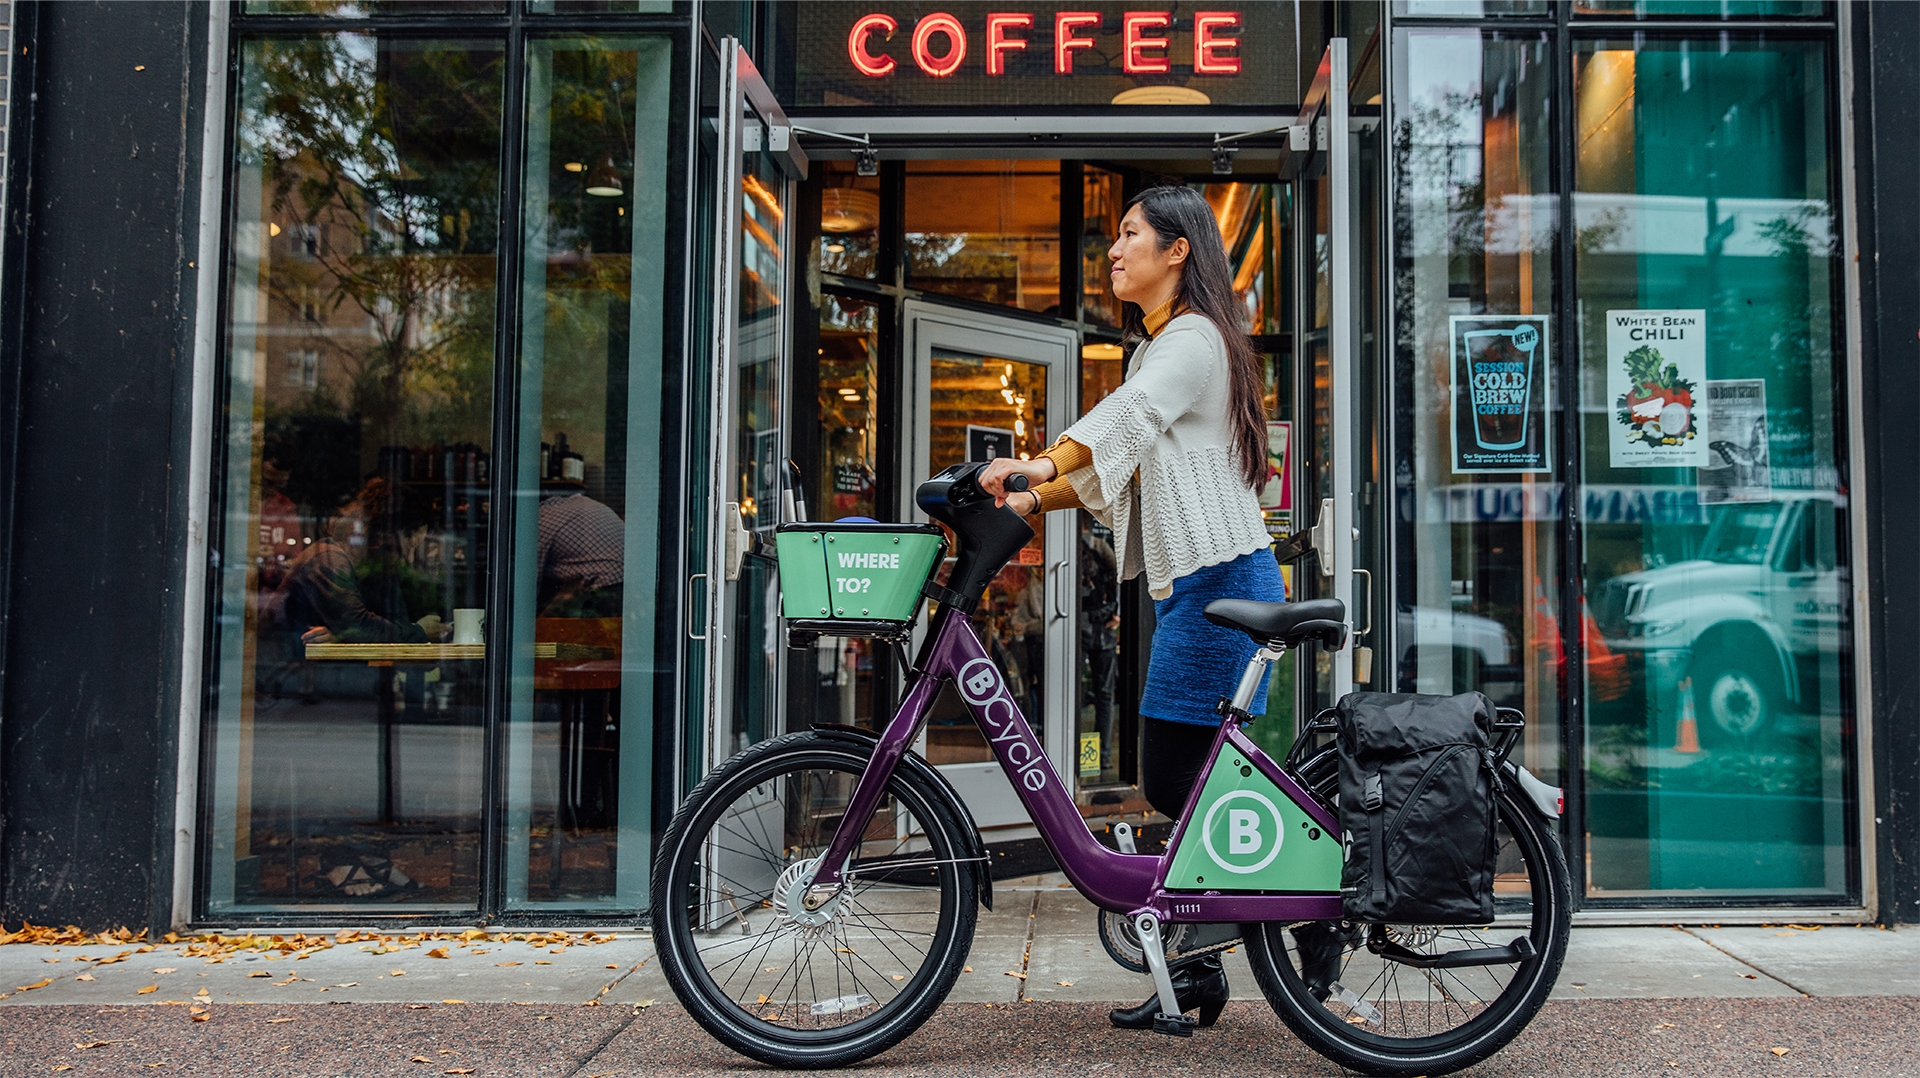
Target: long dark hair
1206 289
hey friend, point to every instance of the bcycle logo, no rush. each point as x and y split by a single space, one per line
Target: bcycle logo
981 686
1242 832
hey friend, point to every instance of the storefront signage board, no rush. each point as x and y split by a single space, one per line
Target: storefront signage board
993 55
1501 394
987 443
1737 469
1656 364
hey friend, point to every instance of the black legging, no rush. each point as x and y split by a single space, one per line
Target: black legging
1171 756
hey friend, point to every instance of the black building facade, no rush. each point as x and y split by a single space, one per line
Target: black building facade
396 399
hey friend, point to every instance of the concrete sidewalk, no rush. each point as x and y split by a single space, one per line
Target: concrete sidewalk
1039 928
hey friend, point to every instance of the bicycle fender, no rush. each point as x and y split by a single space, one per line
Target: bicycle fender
1548 801
976 846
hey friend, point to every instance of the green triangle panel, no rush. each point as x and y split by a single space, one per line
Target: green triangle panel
1246 835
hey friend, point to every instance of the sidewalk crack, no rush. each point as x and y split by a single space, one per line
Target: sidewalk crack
1763 971
1026 951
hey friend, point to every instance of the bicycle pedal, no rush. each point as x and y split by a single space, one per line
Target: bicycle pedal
1173 1025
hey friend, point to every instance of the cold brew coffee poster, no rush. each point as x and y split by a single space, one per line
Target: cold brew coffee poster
1656 362
1500 393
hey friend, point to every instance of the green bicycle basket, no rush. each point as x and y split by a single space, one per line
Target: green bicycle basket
852 578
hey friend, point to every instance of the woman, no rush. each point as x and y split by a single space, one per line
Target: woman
1171 461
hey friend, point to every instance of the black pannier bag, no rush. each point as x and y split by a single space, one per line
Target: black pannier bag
1417 776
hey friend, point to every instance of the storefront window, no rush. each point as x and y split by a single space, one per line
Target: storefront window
1703 9
1476 504
1102 202
346 754
1712 497
841 671
849 220
987 231
588 513
1470 9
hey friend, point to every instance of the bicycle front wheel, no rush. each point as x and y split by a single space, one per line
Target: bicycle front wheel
793 987
1379 1016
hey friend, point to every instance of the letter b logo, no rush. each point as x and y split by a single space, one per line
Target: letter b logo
1243 832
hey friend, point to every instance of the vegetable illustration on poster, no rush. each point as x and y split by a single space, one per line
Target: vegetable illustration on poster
1656 364
1501 393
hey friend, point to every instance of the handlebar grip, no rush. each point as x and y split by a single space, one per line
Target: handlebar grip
1016 484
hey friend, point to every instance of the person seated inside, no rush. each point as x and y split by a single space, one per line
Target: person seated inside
332 591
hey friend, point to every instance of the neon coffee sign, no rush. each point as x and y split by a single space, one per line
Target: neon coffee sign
939 43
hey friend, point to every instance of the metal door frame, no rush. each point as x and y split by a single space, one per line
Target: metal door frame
926 324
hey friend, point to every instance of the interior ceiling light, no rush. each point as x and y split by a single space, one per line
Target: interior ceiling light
575 166
849 209
1102 351
836 247
604 180
1161 95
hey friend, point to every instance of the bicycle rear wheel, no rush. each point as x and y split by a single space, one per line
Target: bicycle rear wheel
823 988
1384 1017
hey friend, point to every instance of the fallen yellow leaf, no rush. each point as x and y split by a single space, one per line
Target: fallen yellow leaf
260 973
1064 984
610 965
84 977
1779 1051
516 963
541 962
167 969
149 988
1016 973
419 1059
277 1021
62 1067
396 973
41 983
967 969
91 1044
437 952
453 1001
459 1070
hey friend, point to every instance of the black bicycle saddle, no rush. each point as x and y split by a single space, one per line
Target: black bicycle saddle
1291 624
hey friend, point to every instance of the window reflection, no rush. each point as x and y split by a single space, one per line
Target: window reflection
346 755
849 220
1477 583
985 230
1718 756
587 501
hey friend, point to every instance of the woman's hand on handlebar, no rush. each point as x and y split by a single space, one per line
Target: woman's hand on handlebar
993 478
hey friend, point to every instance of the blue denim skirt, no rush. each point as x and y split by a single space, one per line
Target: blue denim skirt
1195 662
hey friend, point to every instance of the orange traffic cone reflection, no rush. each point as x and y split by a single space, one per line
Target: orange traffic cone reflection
1689 739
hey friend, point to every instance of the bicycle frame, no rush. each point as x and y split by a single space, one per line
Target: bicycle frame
1123 883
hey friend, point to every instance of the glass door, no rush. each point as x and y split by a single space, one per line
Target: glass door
1327 321
746 441
984 387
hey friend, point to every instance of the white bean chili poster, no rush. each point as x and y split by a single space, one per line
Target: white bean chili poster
1501 393
1656 375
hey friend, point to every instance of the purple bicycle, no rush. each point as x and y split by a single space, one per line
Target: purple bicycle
814 899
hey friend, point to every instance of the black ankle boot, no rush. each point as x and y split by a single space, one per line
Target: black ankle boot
1201 983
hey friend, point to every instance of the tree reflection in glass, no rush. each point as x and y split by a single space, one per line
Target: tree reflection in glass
346 756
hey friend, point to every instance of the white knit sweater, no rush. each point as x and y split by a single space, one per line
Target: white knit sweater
1163 475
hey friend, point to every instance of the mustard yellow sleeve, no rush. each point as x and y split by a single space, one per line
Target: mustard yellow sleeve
1057 493
1067 455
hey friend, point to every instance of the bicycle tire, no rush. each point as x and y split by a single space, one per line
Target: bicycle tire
678 898
1345 1038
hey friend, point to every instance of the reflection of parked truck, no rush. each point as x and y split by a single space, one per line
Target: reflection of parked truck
1749 620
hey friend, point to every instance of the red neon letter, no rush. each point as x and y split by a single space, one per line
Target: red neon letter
1133 22
1205 45
998 42
1064 24
865 62
939 23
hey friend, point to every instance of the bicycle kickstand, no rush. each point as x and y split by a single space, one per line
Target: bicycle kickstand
1147 926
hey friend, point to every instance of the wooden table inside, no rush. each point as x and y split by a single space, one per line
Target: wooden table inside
428 653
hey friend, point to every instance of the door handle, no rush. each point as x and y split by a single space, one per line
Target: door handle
1059 587
691 635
